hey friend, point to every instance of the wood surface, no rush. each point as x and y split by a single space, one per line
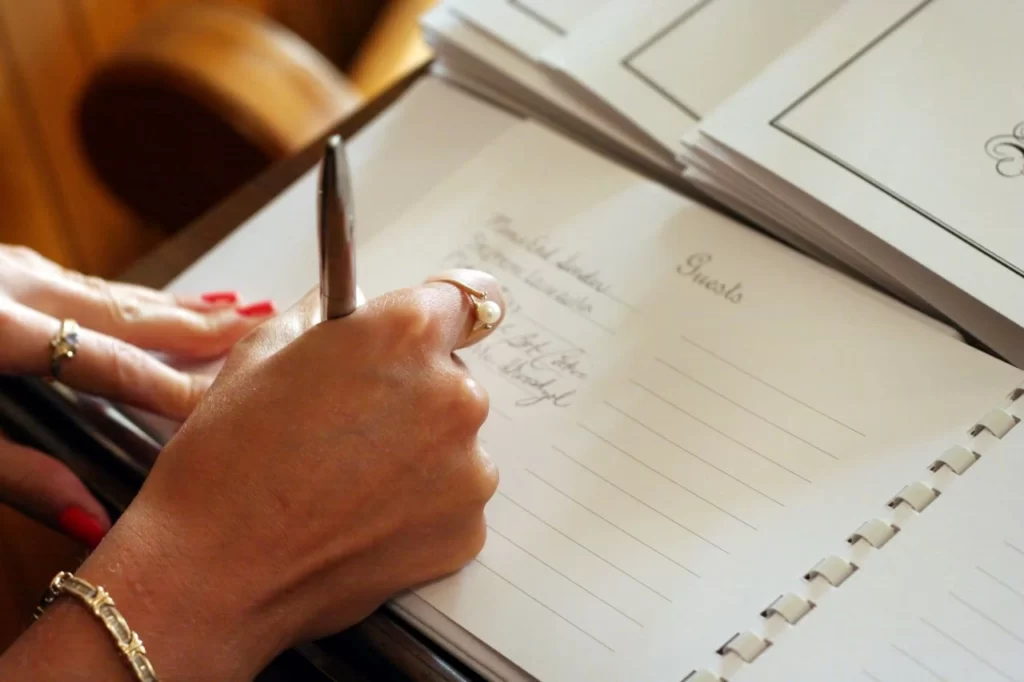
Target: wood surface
50 198
199 100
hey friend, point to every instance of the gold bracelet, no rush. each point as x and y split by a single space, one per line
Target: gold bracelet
102 606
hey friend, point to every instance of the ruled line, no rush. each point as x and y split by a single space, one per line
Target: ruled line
1014 547
1011 588
920 664
501 413
610 523
745 408
664 476
528 281
765 383
718 431
968 650
870 676
538 559
557 266
984 616
538 601
586 549
692 454
549 330
523 389
668 518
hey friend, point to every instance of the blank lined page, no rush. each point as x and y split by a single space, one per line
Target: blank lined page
944 600
670 393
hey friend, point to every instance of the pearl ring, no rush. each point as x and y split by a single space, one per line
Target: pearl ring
487 311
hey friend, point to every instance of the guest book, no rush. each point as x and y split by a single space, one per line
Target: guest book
690 418
722 457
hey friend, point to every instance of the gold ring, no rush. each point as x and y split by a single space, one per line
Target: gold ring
487 312
63 345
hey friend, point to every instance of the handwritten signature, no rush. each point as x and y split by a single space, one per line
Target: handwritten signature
548 370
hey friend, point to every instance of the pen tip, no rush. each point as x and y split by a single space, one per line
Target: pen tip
334 142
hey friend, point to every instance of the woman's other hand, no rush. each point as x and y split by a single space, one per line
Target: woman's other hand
119 324
328 468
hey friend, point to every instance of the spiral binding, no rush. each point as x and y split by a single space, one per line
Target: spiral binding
832 571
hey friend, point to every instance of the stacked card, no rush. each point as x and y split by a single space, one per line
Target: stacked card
892 140
626 81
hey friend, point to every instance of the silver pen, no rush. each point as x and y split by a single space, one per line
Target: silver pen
336 224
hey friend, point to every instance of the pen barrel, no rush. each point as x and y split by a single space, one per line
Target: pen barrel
338 290
333 308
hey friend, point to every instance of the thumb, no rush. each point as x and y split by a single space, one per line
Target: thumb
45 489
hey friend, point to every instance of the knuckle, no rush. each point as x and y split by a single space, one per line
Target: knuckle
489 478
411 321
465 402
196 387
482 481
123 362
119 311
472 541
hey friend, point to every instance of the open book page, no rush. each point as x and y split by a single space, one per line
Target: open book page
943 600
861 118
528 26
395 161
672 395
669 65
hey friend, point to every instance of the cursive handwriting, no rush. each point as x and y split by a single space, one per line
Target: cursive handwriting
491 255
501 224
546 368
574 302
543 355
542 389
586 276
693 269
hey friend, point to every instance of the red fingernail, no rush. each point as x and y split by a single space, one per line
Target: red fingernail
82 526
257 309
220 297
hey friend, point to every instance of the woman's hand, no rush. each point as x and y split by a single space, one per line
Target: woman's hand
119 323
327 469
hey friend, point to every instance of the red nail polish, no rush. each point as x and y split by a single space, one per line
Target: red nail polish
220 297
82 526
260 309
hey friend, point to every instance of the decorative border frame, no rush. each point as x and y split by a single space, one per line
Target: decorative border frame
530 12
935 220
627 61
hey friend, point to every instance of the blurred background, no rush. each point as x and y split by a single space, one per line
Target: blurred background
123 120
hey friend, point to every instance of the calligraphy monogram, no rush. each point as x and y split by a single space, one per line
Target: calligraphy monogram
1008 151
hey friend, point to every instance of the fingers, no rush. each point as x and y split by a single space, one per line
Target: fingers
192 327
45 489
102 365
464 317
